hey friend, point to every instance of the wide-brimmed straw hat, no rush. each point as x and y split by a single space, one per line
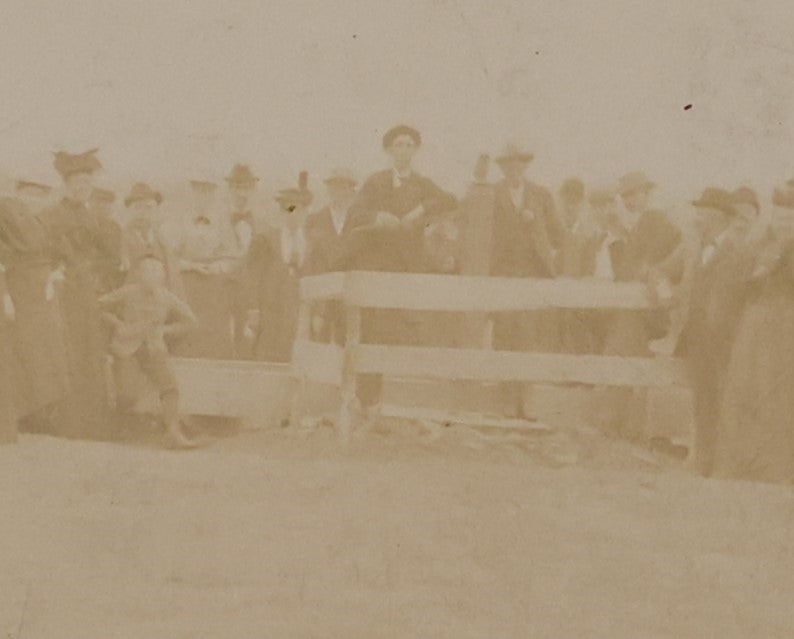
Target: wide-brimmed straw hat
142 191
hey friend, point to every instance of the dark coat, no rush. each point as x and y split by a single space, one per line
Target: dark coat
326 246
526 248
327 254
522 247
719 293
754 439
277 287
38 349
79 242
652 239
392 250
8 412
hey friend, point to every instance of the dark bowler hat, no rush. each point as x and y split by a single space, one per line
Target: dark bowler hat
103 195
68 163
142 191
783 199
514 153
401 129
715 198
24 185
241 175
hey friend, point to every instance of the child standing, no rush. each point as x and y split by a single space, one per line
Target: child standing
142 314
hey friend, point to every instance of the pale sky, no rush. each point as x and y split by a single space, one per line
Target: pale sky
176 89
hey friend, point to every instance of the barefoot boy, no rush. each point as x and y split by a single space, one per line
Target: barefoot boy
142 314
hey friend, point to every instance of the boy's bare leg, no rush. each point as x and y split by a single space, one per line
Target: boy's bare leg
169 405
157 368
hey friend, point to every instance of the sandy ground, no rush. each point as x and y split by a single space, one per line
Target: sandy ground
283 534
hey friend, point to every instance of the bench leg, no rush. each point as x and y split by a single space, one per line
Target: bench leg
353 334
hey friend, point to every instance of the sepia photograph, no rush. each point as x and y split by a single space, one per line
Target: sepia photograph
387 320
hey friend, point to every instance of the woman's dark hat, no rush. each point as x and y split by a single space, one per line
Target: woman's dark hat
69 163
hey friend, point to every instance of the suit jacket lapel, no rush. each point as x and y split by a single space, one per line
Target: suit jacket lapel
503 194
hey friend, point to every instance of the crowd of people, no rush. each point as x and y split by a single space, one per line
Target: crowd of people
97 295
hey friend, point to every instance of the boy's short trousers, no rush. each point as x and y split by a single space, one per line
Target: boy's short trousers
152 364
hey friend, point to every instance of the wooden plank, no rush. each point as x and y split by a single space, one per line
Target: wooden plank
420 291
467 418
552 368
257 390
318 362
322 287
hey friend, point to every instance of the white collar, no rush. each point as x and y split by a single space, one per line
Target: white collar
293 243
517 194
338 218
398 178
720 239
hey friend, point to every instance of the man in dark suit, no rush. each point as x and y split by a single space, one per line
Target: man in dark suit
647 237
326 232
387 222
526 236
241 184
276 261
718 294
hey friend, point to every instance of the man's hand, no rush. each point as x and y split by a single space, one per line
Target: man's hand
218 267
410 220
9 310
251 325
386 220
528 215
660 289
157 343
196 267
56 277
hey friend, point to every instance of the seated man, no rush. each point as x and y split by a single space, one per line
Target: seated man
142 314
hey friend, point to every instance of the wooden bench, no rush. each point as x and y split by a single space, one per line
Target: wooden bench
332 364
